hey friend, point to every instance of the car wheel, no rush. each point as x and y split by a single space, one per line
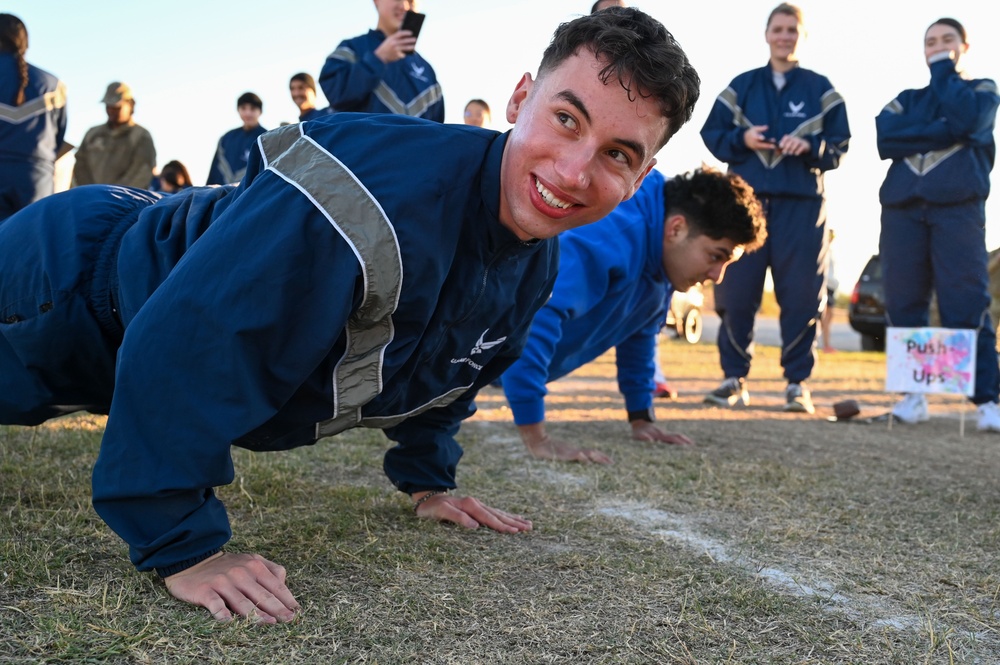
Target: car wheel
872 343
692 326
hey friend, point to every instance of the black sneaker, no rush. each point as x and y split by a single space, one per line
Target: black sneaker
731 392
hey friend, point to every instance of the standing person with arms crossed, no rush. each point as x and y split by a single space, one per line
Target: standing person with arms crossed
378 301
380 72
940 141
32 122
781 127
615 281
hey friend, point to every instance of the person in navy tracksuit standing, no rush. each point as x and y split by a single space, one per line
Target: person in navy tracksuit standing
940 141
32 122
302 87
380 72
233 149
780 127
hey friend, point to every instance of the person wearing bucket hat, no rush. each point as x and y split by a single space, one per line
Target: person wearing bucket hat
119 152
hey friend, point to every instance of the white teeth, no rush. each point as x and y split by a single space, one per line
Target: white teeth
549 198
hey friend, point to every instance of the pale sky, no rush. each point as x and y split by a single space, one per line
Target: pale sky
187 63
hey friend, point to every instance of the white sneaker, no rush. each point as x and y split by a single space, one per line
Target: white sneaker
912 409
798 399
989 417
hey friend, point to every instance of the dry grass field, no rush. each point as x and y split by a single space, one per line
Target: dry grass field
777 538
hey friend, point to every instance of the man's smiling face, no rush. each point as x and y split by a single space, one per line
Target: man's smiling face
579 147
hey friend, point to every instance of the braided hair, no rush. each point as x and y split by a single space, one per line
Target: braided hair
14 39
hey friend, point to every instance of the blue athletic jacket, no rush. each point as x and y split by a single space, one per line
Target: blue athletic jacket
940 140
354 79
611 291
315 114
322 293
806 107
231 155
30 134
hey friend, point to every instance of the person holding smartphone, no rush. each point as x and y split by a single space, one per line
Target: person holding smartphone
781 127
940 141
381 72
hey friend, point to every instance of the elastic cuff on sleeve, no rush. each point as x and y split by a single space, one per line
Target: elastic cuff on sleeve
528 412
184 565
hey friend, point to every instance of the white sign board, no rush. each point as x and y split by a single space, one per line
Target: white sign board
930 360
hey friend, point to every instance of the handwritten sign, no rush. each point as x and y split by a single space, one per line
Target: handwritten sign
930 360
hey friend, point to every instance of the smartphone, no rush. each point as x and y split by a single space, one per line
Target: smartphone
413 22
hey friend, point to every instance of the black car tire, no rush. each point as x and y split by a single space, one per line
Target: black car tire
872 342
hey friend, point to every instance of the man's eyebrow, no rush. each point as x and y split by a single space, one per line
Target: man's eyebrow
570 97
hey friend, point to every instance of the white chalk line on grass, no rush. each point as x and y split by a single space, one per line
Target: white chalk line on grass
676 528
872 610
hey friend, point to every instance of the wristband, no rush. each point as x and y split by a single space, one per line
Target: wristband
642 414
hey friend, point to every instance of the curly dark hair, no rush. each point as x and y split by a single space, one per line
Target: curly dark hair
719 205
640 52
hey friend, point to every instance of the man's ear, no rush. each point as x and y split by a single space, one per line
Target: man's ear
675 227
518 98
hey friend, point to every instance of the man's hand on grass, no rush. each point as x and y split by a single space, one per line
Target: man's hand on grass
542 446
646 431
470 513
247 585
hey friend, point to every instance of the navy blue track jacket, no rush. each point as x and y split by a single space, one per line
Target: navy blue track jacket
231 155
807 107
329 290
30 134
354 79
940 140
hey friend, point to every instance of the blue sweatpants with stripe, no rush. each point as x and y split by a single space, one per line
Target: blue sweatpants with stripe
924 247
795 252
59 336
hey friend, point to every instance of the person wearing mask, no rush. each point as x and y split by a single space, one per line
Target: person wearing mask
940 143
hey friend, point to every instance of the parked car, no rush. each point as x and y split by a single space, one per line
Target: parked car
866 312
684 314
